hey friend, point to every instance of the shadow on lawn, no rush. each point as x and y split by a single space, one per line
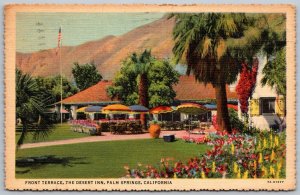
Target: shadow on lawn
41 161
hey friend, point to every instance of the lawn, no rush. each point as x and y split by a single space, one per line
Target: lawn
102 159
59 132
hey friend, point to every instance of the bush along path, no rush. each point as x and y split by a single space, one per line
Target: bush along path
233 155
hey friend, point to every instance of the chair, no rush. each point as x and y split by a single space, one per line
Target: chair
113 127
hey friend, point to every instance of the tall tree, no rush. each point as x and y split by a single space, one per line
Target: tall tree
214 45
162 77
85 75
30 107
142 64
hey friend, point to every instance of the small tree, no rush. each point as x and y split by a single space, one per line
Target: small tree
85 75
30 107
50 87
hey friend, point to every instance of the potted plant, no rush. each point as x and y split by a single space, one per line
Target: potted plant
154 129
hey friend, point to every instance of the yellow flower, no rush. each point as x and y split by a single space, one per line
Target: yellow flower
213 169
239 174
245 176
271 139
265 143
265 171
235 167
277 174
279 165
254 165
273 156
203 175
258 146
260 158
276 141
272 171
232 149
175 176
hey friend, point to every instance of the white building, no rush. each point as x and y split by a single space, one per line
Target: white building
265 107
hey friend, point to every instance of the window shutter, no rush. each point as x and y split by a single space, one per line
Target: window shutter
254 107
279 106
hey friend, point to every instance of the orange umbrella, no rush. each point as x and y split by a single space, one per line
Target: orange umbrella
116 108
235 107
161 109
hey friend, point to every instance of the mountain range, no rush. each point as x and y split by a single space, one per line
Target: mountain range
107 53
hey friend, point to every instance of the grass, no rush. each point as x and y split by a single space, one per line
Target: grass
102 159
59 132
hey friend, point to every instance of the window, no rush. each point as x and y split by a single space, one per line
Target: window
267 105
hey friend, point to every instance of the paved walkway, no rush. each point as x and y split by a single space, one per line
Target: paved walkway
106 136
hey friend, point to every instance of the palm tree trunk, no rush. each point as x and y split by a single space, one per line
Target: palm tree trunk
222 110
143 97
23 134
143 90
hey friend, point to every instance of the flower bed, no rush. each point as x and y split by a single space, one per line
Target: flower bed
232 156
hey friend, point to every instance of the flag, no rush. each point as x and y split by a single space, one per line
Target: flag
58 40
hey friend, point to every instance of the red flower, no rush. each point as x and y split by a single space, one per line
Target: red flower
246 84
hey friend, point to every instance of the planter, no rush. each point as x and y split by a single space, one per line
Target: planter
169 138
154 130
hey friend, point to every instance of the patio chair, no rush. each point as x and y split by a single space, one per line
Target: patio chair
113 127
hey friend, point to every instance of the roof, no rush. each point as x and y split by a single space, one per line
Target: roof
189 89
186 89
94 94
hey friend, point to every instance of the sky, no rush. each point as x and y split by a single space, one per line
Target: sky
38 31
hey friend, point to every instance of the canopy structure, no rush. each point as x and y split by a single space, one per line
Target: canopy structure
139 109
94 109
191 108
210 106
214 106
116 109
82 109
161 109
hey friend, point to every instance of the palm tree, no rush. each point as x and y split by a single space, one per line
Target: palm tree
142 65
30 107
213 45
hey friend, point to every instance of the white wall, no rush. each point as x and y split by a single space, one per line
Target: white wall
265 120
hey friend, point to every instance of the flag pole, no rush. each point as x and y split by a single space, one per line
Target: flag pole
61 83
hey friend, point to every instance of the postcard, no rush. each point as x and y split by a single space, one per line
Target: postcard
150 97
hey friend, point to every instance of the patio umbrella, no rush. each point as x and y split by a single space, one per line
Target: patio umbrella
82 109
95 109
191 108
235 107
116 109
161 110
138 109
